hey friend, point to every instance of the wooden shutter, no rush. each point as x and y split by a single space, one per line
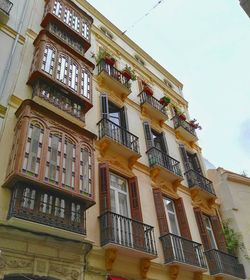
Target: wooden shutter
202 228
104 106
195 163
104 188
135 204
218 233
182 218
160 211
124 118
184 157
148 135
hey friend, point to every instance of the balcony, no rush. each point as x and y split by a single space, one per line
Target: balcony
200 183
71 19
117 140
152 107
62 70
68 108
224 265
186 253
113 79
184 129
161 164
5 8
128 236
46 210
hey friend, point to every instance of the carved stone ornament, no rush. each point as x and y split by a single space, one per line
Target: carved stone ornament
110 257
62 270
11 262
173 272
198 276
207 204
144 267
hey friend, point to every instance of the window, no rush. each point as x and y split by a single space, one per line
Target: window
210 231
53 158
46 203
73 76
68 177
140 60
62 69
85 30
57 10
171 216
76 23
33 149
85 171
75 212
68 16
59 207
106 32
28 199
85 83
48 60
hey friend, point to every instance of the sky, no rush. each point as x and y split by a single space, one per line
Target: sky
206 46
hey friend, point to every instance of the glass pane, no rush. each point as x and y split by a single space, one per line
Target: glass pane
123 204
112 198
53 158
32 158
69 163
173 224
170 205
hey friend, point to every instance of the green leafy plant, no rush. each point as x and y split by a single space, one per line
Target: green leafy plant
129 72
103 54
233 239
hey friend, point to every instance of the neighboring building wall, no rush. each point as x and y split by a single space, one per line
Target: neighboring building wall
245 4
233 190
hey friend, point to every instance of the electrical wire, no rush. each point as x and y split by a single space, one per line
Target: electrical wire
141 18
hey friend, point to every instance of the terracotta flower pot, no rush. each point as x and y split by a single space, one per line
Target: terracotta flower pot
126 74
164 102
148 90
110 60
182 117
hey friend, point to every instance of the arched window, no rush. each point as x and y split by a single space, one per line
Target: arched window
57 9
85 83
52 169
62 69
33 149
28 198
48 60
73 75
85 185
69 159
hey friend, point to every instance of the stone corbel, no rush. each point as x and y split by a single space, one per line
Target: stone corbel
100 81
173 272
177 134
132 160
175 185
198 276
144 267
110 257
154 173
161 123
104 145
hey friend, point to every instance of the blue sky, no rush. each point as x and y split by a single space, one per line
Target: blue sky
206 45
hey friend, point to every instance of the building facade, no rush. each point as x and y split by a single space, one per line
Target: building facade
100 166
234 194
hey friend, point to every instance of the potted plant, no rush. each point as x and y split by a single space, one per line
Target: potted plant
182 116
129 73
148 90
165 100
194 124
104 55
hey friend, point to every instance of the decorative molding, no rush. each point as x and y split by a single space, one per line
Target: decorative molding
15 263
110 257
144 267
15 101
3 110
207 205
173 272
12 33
31 33
198 276
64 271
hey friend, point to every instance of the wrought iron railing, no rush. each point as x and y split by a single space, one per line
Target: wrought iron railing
220 262
6 6
196 179
179 122
179 249
144 97
118 134
59 100
156 156
54 210
113 72
126 232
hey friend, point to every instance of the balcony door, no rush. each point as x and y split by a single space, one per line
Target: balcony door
116 124
119 196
